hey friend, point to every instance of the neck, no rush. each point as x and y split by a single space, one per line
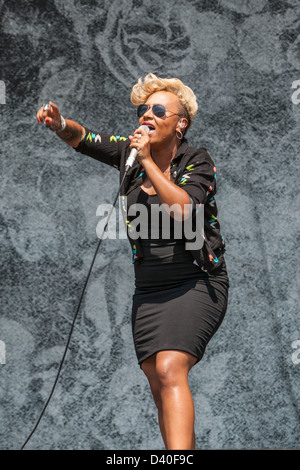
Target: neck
163 155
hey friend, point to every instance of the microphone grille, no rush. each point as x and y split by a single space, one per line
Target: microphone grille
145 127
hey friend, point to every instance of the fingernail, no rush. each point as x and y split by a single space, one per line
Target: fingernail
47 120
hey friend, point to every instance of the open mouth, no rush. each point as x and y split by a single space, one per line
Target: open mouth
151 127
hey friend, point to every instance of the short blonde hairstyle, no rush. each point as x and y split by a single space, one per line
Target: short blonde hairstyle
151 84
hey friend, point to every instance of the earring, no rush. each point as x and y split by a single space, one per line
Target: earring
180 137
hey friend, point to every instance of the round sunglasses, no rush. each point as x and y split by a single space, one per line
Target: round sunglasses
159 110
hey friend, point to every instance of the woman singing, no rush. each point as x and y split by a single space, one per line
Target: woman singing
181 289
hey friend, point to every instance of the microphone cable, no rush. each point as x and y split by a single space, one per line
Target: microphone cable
76 314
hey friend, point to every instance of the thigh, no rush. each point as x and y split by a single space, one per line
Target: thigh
167 362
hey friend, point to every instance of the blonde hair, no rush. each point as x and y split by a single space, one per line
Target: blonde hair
151 84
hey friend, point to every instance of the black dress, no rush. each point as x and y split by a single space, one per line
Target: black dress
180 296
176 305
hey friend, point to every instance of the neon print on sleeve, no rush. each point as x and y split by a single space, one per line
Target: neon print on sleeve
91 137
116 138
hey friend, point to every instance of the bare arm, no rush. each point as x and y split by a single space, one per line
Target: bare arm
73 132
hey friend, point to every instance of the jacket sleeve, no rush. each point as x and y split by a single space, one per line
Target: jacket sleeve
198 178
105 148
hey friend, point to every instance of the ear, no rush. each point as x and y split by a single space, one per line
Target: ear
183 124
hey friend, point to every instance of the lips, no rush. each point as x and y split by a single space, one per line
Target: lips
151 127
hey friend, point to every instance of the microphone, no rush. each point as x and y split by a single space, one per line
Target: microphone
133 153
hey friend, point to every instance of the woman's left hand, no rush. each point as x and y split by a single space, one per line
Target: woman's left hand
141 141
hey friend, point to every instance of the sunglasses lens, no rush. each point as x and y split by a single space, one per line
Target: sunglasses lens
142 108
159 110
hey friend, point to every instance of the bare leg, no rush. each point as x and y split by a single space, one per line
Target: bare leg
167 373
148 367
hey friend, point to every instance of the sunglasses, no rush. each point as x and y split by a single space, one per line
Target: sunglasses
159 110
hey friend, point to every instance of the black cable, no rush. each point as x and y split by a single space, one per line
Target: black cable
75 316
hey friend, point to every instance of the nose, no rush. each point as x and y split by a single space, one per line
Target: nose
148 114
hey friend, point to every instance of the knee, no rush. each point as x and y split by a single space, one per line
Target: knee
167 370
169 374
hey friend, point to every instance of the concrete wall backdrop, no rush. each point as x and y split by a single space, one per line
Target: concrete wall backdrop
241 58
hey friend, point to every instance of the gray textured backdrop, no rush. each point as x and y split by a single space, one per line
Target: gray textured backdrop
241 58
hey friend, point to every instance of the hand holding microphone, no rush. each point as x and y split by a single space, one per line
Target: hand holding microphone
140 145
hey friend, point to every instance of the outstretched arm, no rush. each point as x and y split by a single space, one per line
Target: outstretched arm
69 131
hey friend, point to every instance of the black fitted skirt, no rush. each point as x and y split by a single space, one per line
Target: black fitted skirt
176 306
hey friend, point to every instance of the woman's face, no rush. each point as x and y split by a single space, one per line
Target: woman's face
163 130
